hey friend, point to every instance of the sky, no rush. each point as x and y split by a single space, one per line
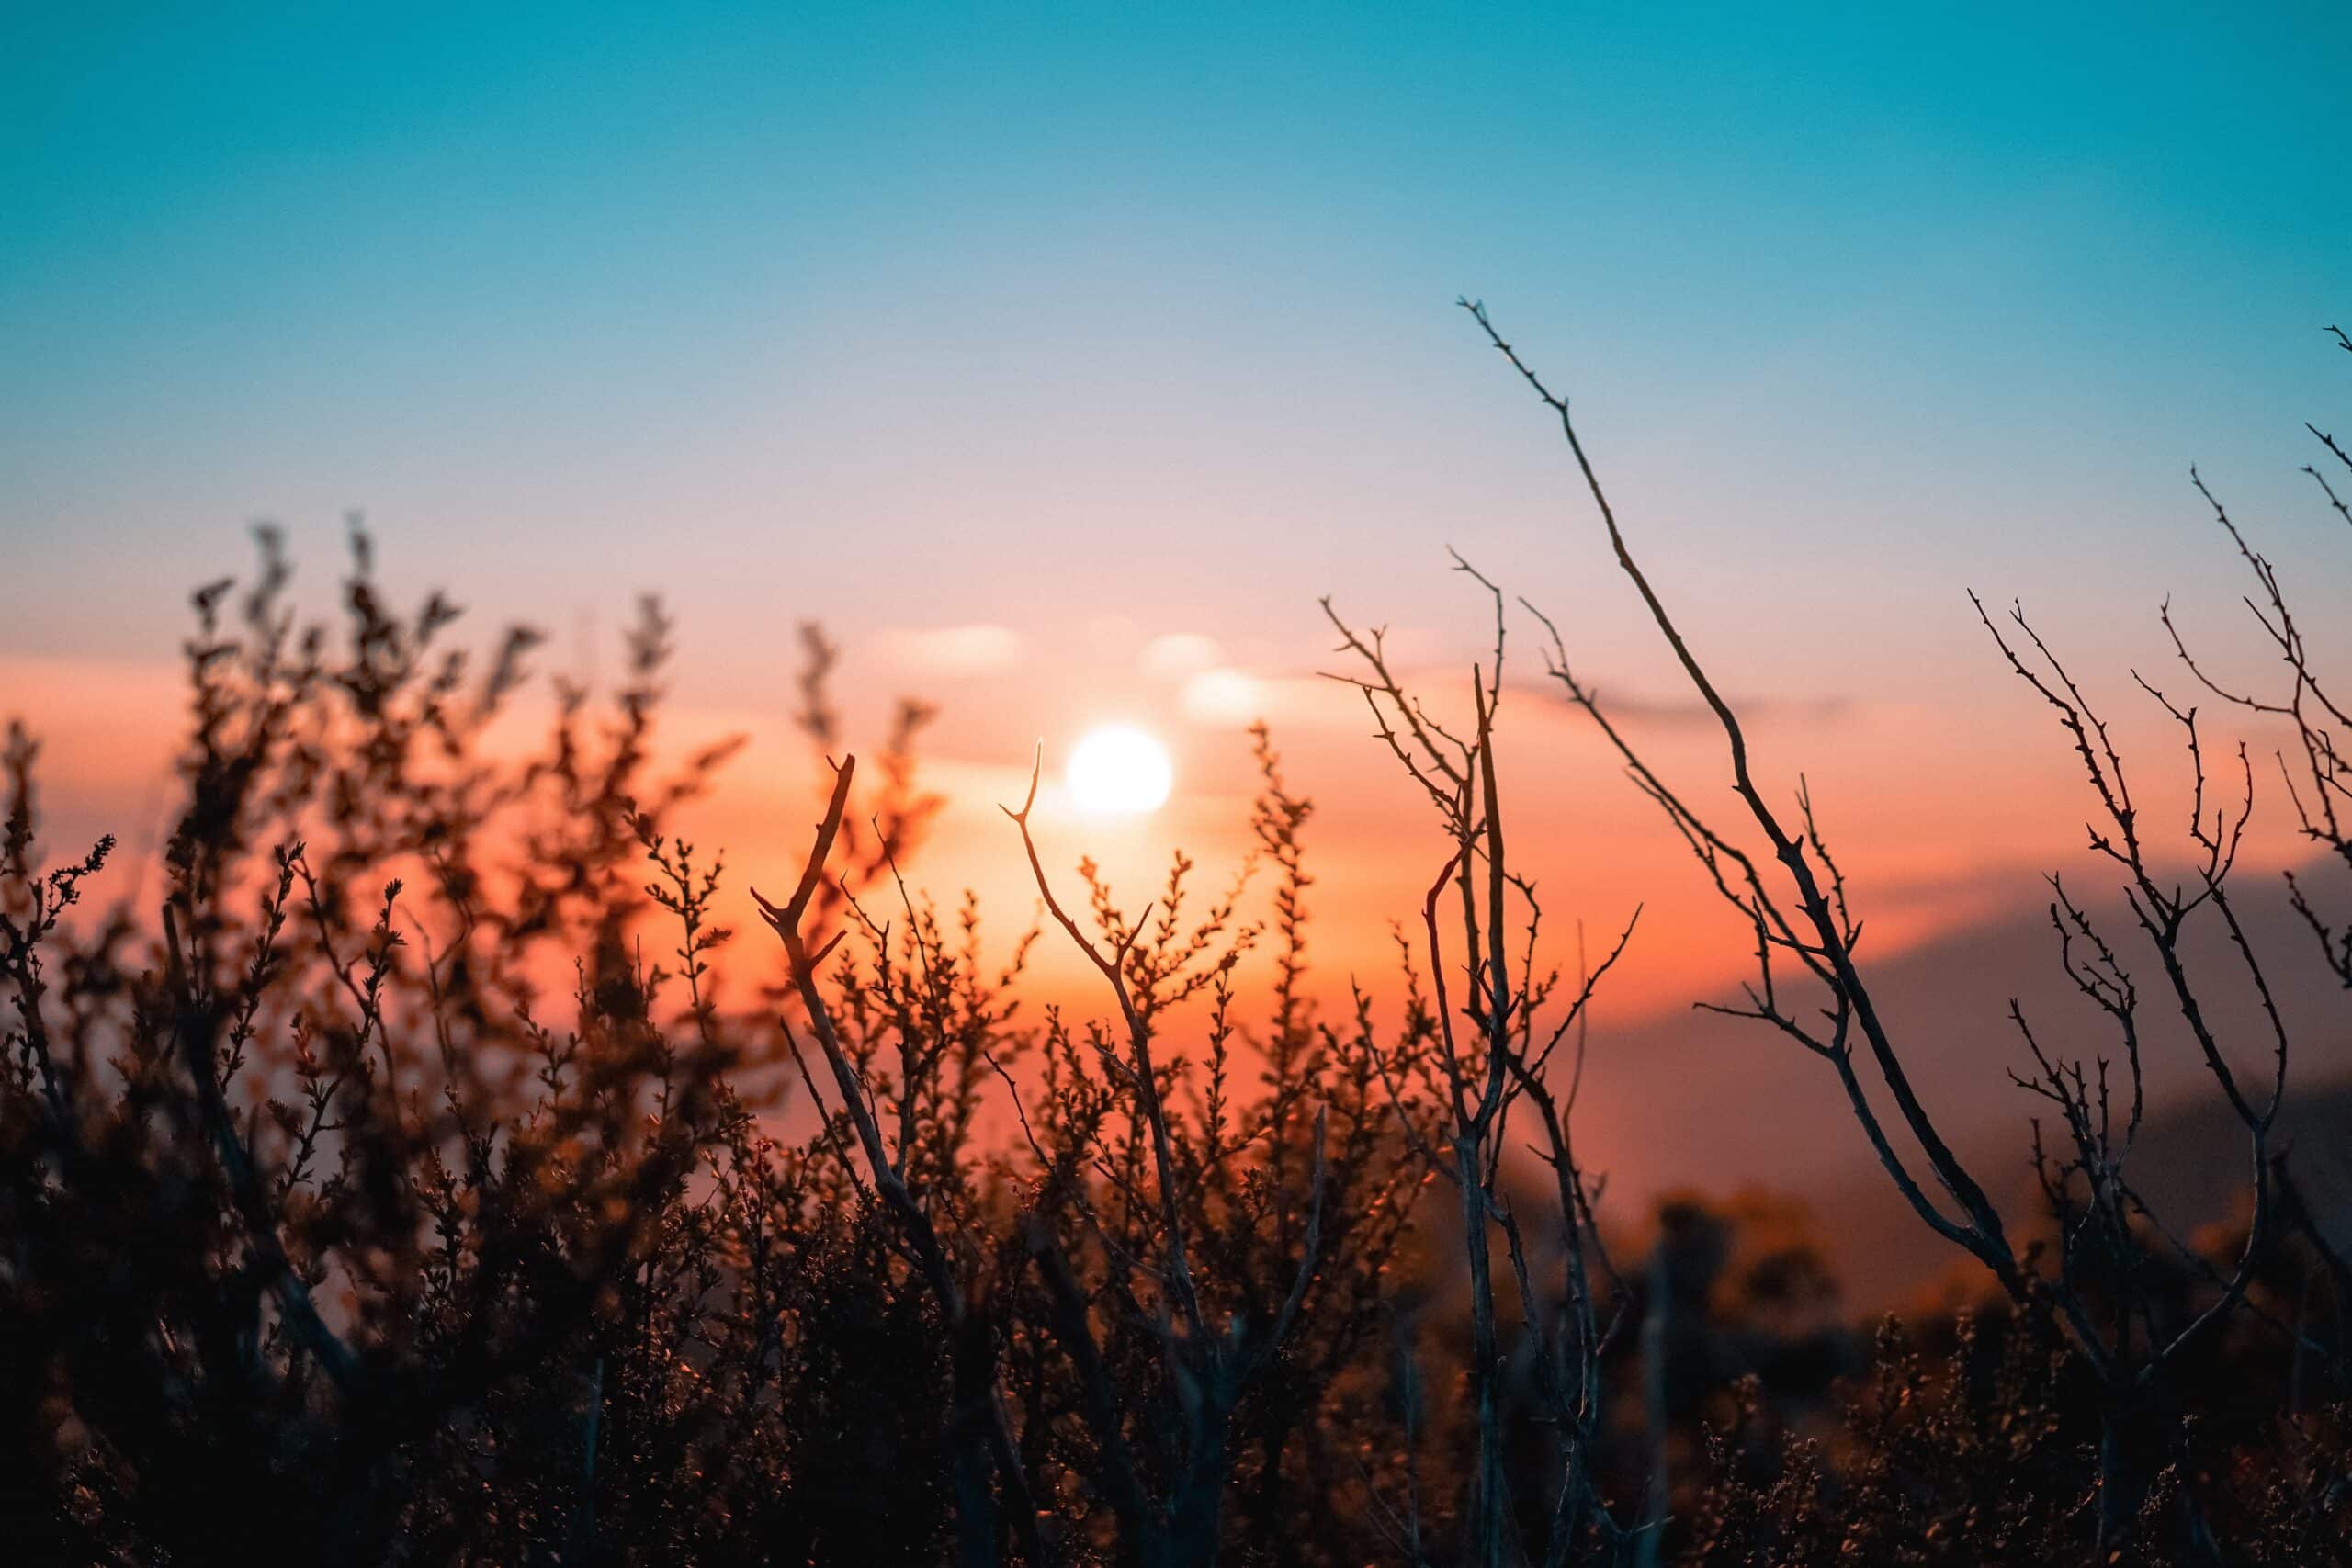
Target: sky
1060 362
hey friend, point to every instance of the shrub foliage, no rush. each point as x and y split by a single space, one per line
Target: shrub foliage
409 1166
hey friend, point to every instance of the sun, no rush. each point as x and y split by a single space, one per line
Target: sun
1119 770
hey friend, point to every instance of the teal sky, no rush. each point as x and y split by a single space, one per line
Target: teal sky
925 315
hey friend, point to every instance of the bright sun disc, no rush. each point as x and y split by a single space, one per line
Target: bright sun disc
1119 770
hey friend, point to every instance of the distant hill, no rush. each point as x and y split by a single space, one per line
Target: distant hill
2191 1157
2190 1164
1697 1100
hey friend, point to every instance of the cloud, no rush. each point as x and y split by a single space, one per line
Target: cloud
1179 654
1223 695
1688 713
982 649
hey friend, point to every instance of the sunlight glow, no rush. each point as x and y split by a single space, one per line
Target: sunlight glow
1119 770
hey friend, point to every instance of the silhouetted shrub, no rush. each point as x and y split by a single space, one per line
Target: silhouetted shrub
419 1172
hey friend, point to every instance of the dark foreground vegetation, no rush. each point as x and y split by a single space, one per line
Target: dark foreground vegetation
335 1230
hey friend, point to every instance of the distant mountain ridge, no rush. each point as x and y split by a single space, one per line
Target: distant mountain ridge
1697 1100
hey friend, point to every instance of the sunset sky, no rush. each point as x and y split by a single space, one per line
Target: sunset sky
1060 363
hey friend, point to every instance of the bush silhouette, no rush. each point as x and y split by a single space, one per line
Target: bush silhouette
427 1176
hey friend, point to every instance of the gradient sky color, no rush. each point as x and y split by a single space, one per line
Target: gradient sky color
1061 361
1068 307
